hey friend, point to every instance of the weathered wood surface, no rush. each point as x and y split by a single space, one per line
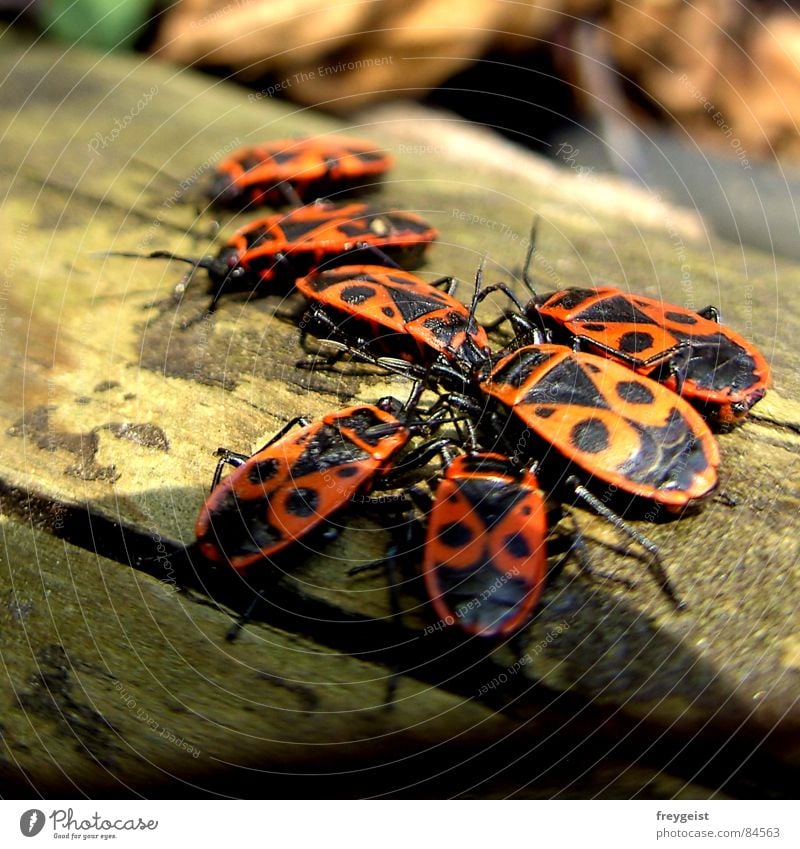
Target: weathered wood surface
114 681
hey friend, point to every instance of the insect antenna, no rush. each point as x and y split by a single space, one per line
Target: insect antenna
210 263
472 325
527 277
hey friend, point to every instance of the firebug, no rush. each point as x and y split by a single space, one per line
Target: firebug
272 251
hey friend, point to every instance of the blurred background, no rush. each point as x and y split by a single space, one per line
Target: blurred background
696 101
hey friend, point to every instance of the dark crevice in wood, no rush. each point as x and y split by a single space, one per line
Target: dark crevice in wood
793 427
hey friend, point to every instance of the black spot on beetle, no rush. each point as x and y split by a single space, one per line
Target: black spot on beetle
517 546
241 526
571 298
356 295
681 317
616 309
263 471
280 156
455 535
634 392
590 435
635 342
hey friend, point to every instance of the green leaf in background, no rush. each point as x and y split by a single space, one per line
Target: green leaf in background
111 25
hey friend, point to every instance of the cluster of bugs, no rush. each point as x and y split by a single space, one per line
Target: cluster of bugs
601 397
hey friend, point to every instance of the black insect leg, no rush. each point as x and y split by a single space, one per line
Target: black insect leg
288 193
327 532
450 284
679 366
580 549
525 331
580 343
235 459
300 421
226 458
406 541
321 321
484 293
676 358
233 631
356 347
654 564
577 547
461 402
374 250
414 460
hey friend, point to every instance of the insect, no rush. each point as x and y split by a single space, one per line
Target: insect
485 561
298 481
484 555
296 170
621 433
712 366
389 312
276 249
485 558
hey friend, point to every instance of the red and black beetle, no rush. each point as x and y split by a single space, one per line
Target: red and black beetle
295 171
716 369
484 562
712 366
273 251
393 313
